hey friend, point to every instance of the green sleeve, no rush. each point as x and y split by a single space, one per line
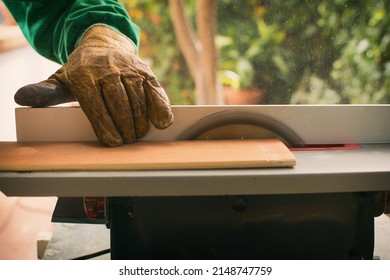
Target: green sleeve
53 28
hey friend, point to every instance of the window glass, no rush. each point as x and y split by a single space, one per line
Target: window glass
292 52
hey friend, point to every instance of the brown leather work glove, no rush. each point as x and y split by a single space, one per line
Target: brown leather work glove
118 93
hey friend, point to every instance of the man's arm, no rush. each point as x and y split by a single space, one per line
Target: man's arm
101 70
54 28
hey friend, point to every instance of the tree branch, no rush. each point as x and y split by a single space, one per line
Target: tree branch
206 12
187 40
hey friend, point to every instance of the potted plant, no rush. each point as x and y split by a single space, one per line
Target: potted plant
237 73
257 50
246 61
234 93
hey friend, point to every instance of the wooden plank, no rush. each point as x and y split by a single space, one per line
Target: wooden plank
216 154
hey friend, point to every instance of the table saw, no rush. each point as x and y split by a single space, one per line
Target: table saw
323 207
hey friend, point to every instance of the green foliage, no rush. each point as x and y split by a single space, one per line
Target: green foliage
311 51
362 72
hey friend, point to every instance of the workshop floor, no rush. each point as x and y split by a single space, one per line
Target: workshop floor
23 219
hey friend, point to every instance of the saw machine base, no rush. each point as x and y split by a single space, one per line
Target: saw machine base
308 226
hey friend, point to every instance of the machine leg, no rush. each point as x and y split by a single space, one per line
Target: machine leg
125 241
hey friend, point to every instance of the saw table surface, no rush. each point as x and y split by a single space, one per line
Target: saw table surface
363 169
322 171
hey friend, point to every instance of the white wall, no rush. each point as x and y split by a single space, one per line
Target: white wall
18 67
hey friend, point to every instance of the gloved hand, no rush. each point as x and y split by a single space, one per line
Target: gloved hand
118 93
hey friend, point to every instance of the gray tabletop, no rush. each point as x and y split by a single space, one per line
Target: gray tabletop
364 169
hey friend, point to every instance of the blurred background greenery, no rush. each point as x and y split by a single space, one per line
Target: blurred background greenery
299 52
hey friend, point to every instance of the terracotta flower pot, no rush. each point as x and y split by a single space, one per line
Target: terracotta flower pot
242 97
